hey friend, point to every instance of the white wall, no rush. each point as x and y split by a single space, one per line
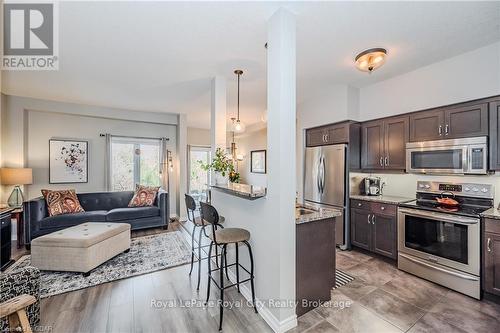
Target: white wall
245 144
42 126
28 123
465 77
468 76
198 137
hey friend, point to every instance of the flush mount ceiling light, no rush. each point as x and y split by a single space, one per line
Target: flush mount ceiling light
238 125
371 59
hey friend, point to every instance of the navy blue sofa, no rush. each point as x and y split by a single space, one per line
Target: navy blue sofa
99 207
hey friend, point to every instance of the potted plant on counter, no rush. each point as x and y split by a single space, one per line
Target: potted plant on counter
223 167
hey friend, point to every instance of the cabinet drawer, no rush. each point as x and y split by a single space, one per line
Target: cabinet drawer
382 208
492 225
360 204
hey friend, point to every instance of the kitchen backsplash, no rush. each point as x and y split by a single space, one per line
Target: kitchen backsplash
405 184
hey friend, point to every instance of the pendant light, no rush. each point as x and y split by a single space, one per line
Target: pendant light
238 125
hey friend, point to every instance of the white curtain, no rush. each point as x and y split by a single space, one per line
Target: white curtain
108 181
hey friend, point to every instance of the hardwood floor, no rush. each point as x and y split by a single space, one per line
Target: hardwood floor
138 305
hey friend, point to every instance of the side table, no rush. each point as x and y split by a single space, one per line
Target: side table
17 214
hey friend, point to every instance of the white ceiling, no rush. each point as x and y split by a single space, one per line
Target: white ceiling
159 56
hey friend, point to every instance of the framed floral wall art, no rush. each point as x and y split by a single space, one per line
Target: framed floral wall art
68 161
258 161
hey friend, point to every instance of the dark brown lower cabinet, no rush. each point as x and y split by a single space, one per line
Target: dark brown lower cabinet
360 228
315 263
374 228
491 257
384 235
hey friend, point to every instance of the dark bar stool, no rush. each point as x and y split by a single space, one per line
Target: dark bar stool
224 237
198 222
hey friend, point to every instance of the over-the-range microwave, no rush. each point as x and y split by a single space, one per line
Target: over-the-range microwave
453 156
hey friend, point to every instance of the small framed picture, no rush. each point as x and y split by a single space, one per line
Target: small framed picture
258 161
68 161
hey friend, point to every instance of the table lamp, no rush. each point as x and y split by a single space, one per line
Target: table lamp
16 177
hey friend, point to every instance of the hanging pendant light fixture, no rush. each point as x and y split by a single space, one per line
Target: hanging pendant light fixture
238 125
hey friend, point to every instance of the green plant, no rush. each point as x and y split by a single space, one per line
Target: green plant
221 163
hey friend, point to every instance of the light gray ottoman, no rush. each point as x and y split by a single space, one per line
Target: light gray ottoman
80 248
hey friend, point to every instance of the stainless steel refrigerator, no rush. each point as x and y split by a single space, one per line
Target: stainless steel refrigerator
325 184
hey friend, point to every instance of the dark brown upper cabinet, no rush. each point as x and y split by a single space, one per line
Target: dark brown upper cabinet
427 125
466 121
462 121
372 145
383 144
328 135
494 147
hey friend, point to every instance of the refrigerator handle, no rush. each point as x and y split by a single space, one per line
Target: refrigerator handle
323 174
318 179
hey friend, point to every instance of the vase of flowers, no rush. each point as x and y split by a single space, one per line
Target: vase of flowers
223 167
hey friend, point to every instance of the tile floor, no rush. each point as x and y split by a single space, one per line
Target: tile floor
385 299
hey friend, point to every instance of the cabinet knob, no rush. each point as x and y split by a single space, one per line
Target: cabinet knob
359 204
382 208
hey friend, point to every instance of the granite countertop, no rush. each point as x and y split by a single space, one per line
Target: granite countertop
246 191
315 214
388 199
492 213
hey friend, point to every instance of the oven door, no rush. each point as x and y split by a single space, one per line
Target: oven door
445 239
440 160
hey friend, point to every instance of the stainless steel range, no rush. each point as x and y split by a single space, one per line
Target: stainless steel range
440 241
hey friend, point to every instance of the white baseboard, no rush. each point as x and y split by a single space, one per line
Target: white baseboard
276 325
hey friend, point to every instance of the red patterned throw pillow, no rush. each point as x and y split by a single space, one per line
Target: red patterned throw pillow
144 196
62 202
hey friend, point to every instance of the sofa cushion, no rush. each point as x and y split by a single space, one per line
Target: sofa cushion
105 200
69 220
62 202
144 196
120 214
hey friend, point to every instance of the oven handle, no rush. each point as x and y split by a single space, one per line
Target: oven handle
463 276
439 216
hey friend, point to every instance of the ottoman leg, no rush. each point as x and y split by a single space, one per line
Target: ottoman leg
127 250
86 274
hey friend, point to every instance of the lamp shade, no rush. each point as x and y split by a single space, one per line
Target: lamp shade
16 176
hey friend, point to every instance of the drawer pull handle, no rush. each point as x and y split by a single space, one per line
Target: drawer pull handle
488 244
369 218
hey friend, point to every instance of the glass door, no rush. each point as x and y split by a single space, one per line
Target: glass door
198 178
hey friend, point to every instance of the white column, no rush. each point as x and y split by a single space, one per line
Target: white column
281 139
181 169
218 115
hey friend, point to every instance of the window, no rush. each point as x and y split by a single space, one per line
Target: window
198 178
134 161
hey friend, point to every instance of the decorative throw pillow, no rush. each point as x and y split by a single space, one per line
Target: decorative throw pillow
62 202
144 196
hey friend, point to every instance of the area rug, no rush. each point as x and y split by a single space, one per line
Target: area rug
342 278
147 254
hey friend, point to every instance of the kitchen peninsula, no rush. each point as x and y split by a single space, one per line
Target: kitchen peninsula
315 256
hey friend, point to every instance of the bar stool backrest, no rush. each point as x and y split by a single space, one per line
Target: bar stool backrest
190 207
209 214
